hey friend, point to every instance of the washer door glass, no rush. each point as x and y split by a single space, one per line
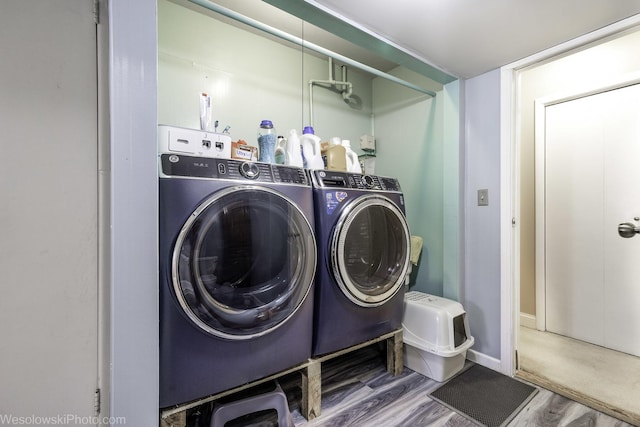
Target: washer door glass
370 250
244 262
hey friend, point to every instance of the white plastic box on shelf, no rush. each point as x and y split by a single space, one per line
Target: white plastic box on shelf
193 142
436 335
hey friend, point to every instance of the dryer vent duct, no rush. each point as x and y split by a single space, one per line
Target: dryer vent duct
342 87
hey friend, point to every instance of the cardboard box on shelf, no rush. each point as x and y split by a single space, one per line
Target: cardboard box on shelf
240 150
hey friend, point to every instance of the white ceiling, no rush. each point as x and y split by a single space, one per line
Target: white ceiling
278 19
469 37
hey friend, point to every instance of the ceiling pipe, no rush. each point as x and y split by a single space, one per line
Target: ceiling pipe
305 44
331 83
346 94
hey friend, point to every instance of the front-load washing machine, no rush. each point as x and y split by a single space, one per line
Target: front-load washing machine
363 258
237 261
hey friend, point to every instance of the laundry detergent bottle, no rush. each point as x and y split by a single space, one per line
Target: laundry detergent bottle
280 152
311 153
266 142
353 163
335 155
293 152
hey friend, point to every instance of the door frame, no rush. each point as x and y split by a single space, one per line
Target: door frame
509 183
540 189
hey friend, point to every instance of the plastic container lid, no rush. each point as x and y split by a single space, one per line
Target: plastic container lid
267 124
428 324
308 129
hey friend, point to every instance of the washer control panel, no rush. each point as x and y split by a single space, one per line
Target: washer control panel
336 179
238 170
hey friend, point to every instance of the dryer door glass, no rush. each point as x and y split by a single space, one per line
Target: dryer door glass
244 262
370 250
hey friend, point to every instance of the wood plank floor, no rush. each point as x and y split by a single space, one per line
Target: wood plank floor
357 391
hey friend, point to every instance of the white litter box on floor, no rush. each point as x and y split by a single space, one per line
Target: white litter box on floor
435 334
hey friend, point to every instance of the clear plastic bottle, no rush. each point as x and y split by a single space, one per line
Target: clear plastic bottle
280 152
266 142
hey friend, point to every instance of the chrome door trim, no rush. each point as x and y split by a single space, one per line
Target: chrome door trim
347 216
307 277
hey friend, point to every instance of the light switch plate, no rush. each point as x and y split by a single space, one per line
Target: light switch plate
483 197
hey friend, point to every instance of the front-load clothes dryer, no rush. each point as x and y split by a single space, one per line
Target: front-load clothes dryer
237 262
363 258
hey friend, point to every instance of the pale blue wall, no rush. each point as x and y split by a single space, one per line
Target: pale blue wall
418 141
453 216
409 145
133 226
480 293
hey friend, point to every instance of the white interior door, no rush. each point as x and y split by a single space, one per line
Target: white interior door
48 212
592 183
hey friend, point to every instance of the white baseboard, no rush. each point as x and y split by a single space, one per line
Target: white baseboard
528 320
484 360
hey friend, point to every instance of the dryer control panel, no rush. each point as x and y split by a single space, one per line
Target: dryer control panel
237 170
334 179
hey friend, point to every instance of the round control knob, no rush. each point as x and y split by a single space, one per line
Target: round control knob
249 170
367 181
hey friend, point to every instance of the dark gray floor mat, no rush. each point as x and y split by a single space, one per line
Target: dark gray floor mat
485 396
